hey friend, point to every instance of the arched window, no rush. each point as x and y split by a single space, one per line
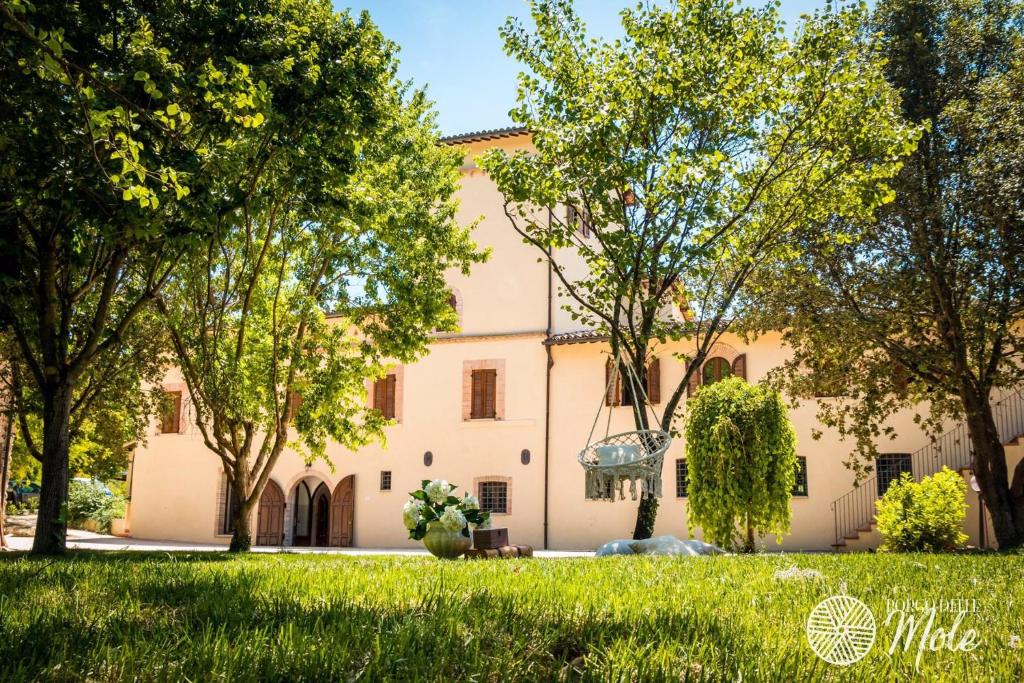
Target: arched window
453 301
716 369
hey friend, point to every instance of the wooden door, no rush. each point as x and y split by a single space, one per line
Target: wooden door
270 521
342 512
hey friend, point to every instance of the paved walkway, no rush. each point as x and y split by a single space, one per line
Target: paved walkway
85 540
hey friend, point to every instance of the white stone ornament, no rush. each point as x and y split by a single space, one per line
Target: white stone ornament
841 630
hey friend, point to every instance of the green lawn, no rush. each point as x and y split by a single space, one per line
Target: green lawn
300 617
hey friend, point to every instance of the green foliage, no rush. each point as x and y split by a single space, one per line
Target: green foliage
695 148
434 502
332 265
926 299
88 501
741 453
127 132
399 618
921 307
923 516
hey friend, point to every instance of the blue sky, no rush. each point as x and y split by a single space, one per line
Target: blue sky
453 47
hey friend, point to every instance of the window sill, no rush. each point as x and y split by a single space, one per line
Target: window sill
528 422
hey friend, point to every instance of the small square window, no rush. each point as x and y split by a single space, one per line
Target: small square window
682 478
800 484
889 467
385 480
494 497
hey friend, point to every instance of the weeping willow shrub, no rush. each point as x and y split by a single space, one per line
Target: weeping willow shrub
741 453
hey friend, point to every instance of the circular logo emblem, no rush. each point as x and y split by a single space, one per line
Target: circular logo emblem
841 630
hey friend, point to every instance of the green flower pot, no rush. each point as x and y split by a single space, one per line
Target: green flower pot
445 544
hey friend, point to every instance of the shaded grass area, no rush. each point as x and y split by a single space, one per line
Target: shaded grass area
285 617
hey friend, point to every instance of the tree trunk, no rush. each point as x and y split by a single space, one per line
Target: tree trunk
241 535
646 514
51 523
647 510
6 443
988 459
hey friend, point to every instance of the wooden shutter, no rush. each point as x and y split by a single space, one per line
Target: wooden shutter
613 393
170 421
900 378
294 405
739 366
484 389
384 396
654 381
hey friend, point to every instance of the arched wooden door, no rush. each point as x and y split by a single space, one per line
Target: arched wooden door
342 510
270 520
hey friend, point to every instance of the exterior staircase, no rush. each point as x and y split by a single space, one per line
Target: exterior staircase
854 511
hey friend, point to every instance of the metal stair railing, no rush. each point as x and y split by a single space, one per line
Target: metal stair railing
855 510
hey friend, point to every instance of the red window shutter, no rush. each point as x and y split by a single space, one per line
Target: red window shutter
654 381
739 366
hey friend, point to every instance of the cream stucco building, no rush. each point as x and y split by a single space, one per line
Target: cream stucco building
543 379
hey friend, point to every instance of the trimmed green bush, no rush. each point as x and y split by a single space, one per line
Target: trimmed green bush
89 501
923 516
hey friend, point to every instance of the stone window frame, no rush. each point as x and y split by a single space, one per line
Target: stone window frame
468 366
175 388
801 474
399 372
495 479
682 484
457 296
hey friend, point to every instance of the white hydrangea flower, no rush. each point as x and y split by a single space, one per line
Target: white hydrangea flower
470 502
412 514
452 519
437 491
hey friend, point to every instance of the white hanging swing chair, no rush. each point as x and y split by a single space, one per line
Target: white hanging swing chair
627 457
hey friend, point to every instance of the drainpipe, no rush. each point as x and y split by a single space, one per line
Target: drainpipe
547 395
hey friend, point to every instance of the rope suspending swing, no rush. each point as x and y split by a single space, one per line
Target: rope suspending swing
632 457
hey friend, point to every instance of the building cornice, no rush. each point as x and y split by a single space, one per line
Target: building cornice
486 336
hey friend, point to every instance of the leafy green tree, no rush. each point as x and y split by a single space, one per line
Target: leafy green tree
741 462
116 120
922 308
369 242
692 149
128 132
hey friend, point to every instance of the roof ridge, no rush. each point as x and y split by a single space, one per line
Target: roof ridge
491 134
